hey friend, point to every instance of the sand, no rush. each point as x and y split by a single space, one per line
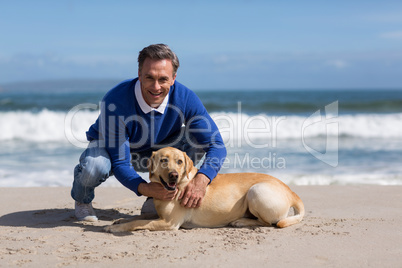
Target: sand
345 226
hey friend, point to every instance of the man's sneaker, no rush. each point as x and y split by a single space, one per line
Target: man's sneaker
85 212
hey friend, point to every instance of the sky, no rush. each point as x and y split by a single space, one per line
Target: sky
220 44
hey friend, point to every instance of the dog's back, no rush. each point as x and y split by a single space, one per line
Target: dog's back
227 200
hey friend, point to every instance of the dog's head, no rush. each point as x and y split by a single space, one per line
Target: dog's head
170 167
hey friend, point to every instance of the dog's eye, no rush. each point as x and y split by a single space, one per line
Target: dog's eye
179 162
164 160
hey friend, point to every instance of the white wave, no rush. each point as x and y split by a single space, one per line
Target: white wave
242 126
44 126
343 179
50 126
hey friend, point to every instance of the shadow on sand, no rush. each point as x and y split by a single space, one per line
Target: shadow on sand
52 218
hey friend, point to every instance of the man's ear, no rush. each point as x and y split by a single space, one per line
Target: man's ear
189 164
174 78
151 164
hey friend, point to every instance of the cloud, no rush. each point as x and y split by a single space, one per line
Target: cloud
221 59
392 35
94 60
26 66
338 64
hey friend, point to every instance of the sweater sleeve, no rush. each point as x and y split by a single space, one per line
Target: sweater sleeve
205 131
115 137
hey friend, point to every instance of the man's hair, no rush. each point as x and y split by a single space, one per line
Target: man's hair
158 52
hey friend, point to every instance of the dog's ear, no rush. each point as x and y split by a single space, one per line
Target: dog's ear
189 164
151 164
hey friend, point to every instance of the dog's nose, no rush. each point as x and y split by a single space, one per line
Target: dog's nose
173 175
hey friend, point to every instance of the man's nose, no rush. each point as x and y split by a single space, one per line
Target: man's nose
157 85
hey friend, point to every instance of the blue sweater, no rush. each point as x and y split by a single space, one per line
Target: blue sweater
123 128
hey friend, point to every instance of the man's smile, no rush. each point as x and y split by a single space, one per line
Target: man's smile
155 94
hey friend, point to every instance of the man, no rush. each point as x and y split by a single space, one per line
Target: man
140 116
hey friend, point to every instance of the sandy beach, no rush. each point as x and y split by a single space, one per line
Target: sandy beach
345 226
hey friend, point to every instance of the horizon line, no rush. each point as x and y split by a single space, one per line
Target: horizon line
117 80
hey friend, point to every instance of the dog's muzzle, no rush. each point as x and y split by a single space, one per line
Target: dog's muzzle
171 185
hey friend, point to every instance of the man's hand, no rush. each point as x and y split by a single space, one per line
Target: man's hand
156 190
195 190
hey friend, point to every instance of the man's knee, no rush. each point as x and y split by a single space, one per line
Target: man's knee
92 170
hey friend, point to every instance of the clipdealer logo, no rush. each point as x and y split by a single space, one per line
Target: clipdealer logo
331 124
239 132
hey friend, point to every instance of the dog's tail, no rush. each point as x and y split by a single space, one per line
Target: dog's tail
299 213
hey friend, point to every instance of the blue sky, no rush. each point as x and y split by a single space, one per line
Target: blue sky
220 44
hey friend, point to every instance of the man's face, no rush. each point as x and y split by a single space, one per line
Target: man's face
156 78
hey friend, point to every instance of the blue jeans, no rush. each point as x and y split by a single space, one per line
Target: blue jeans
95 166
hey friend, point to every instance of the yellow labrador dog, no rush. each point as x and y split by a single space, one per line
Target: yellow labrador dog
239 199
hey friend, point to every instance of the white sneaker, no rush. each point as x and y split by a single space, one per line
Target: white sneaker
85 212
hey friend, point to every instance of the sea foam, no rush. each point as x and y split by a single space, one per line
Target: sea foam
54 126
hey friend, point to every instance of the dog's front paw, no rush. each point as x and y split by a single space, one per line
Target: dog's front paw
116 228
119 221
113 229
108 229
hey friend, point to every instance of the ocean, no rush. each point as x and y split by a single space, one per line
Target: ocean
303 137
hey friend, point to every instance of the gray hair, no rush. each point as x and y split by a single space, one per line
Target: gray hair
158 52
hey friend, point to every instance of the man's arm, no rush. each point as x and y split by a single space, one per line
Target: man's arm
156 190
111 126
205 131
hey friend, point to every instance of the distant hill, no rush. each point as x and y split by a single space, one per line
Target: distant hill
71 85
